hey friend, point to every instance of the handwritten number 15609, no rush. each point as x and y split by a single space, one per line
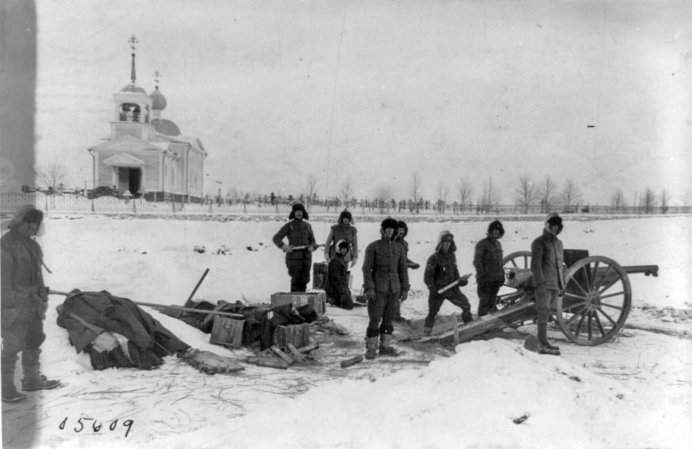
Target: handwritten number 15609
96 426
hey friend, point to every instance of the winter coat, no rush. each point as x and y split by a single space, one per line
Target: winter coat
343 232
402 241
336 286
22 288
441 270
384 267
547 262
299 233
487 258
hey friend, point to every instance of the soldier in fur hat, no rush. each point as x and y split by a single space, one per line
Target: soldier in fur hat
385 280
301 244
24 304
547 269
440 271
487 259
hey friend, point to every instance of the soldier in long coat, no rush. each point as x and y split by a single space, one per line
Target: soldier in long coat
301 244
547 269
24 304
487 259
385 280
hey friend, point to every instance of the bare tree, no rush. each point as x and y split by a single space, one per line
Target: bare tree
465 189
310 189
489 197
347 190
416 189
664 200
382 197
525 193
571 194
52 175
617 200
547 194
648 201
442 191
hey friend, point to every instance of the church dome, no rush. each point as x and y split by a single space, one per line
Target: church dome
132 88
158 101
164 126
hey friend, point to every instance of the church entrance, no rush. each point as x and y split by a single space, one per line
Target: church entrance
130 179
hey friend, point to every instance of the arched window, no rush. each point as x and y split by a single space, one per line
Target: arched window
129 112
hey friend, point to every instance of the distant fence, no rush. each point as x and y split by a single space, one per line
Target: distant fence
79 204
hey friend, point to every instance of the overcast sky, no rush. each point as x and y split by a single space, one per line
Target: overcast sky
596 91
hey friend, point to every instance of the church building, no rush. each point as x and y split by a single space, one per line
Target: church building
147 155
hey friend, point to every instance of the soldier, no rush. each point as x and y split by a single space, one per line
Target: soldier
546 267
336 286
343 230
301 244
487 259
24 305
440 271
385 281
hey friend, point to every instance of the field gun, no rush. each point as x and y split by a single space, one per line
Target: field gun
592 309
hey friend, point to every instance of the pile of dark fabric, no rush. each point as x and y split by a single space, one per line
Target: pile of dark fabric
115 332
260 322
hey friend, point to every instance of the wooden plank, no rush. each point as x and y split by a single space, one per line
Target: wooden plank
282 355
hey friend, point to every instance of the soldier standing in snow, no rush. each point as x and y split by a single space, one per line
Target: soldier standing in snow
401 233
440 271
336 286
301 244
24 304
343 230
385 280
487 259
546 267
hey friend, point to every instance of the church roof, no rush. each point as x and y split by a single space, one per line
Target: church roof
129 143
133 88
165 126
123 160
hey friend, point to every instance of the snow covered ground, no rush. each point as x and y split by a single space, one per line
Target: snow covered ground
634 391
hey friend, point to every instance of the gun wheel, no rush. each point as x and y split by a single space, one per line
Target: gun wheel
518 259
597 300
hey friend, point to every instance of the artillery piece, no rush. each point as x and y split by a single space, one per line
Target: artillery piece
593 309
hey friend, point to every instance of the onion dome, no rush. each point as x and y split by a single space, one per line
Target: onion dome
158 101
164 126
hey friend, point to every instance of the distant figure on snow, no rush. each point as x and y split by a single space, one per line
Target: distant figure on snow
336 287
301 244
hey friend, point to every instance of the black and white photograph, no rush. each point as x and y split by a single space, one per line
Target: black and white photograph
346 224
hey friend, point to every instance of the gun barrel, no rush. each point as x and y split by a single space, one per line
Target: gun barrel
647 270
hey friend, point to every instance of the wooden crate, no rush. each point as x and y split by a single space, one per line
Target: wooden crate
316 299
227 332
296 334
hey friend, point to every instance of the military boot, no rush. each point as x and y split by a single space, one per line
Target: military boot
33 379
386 347
370 348
9 389
544 346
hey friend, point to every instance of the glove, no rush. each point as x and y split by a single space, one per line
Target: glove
370 295
287 249
312 248
404 295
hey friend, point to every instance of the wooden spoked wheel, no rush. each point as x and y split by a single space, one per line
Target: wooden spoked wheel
597 300
518 259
